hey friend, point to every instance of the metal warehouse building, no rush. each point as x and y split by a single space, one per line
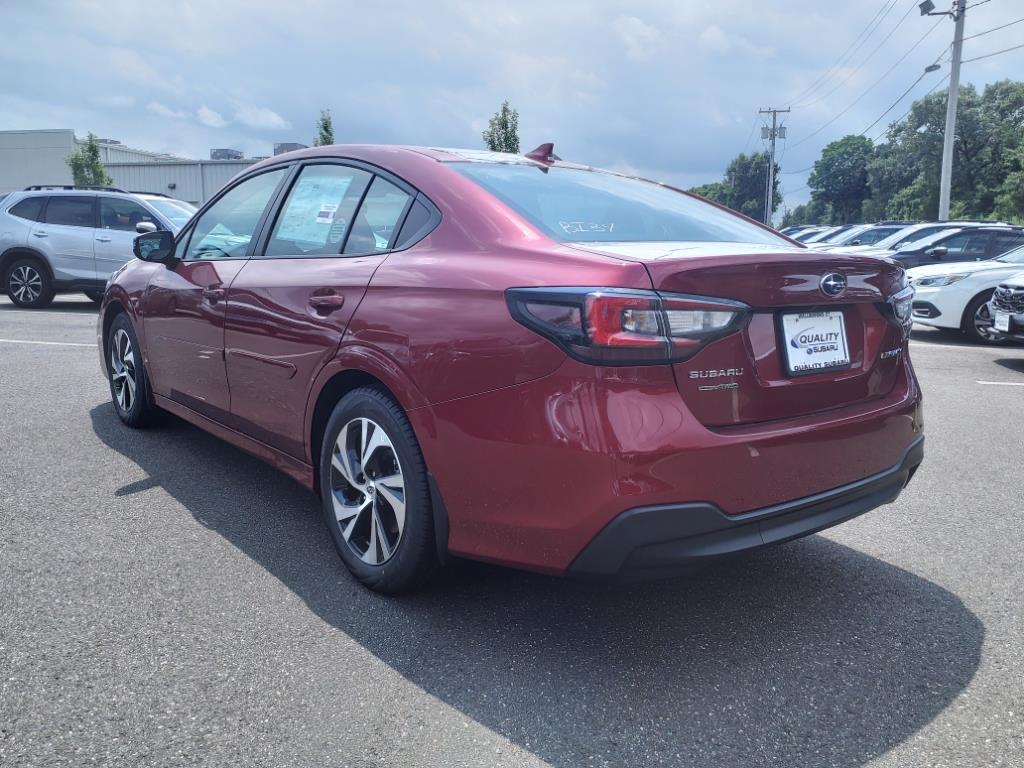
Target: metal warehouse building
40 157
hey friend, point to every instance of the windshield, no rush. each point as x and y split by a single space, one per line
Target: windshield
584 206
1016 256
177 212
846 235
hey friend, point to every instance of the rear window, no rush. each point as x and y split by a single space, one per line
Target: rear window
583 206
30 208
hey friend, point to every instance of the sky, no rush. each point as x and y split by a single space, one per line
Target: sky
668 89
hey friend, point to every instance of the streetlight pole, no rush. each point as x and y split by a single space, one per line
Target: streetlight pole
959 13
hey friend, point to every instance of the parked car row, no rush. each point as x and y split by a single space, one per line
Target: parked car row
69 239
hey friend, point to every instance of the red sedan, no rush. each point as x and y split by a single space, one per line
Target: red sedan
520 360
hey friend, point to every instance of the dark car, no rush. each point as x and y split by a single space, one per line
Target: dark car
520 360
969 244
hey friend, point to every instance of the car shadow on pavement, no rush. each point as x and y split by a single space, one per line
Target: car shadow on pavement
811 654
1015 364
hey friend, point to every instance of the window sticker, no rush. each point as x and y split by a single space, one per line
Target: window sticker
310 214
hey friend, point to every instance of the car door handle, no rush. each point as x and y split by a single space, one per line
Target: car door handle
213 295
40 234
103 239
327 304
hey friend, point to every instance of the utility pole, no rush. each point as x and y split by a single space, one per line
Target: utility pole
776 131
959 12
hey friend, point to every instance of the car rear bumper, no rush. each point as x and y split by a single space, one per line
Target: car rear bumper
656 541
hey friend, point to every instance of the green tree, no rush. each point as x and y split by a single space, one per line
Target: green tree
840 177
743 187
502 134
324 129
86 167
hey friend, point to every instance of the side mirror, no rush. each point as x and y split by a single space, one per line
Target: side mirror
854 242
155 246
145 226
938 250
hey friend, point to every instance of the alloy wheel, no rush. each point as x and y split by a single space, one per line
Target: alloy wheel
983 322
26 284
368 491
122 369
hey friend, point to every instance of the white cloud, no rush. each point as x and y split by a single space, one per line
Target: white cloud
642 40
162 110
261 118
209 118
114 101
715 40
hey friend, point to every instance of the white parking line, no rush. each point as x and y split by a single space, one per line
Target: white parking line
1001 383
47 343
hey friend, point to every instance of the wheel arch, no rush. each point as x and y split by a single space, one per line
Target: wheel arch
23 251
965 316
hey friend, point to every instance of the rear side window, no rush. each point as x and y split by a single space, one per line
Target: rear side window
30 208
319 211
71 211
374 226
417 224
576 205
1007 242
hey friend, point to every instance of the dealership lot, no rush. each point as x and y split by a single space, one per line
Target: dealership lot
169 600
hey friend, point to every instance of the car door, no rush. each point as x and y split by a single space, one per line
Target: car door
116 232
184 303
66 235
290 305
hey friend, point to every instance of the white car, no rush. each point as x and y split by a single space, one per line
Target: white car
1007 308
956 296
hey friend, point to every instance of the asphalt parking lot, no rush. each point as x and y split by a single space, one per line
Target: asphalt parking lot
167 600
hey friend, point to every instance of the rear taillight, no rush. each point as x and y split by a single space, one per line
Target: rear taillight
618 326
902 308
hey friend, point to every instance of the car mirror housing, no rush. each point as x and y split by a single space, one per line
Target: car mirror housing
938 250
145 226
155 246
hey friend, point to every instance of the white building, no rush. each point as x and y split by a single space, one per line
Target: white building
40 157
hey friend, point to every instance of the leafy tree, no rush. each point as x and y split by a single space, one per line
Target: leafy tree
86 167
502 134
811 212
744 185
324 129
840 177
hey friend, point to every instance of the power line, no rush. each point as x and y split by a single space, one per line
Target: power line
910 109
980 2
995 53
802 170
994 29
872 86
887 6
901 97
857 69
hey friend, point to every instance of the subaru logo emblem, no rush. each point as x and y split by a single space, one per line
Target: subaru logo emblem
833 284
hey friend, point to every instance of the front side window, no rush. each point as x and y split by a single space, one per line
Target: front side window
226 228
374 225
965 246
31 208
70 211
576 205
116 213
319 211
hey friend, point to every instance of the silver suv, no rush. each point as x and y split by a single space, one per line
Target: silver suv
64 239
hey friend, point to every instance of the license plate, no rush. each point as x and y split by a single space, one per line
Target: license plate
1003 321
815 341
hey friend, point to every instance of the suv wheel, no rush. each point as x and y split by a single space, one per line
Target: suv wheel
977 323
376 500
129 385
28 283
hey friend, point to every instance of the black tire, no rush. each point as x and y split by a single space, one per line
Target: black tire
135 407
969 324
413 558
94 295
28 283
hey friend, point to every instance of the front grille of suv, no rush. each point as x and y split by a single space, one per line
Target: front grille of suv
1009 299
